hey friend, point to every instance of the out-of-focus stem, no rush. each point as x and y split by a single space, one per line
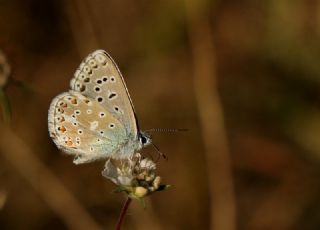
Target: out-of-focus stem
48 186
223 210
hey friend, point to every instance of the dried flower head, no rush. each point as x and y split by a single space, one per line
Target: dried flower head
4 69
135 176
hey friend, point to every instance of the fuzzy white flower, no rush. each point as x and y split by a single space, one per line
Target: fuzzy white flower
120 176
136 176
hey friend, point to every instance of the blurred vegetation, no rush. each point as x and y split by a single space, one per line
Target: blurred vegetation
266 58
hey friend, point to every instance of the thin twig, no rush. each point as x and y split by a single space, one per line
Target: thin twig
123 213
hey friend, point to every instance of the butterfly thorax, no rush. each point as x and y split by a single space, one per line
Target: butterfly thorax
133 145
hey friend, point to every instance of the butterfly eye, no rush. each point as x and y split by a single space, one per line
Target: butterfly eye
143 140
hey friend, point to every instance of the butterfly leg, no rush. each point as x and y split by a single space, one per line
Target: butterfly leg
81 160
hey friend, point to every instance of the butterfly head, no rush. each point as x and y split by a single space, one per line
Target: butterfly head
145 139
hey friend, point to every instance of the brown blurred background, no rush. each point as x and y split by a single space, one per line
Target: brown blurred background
242 76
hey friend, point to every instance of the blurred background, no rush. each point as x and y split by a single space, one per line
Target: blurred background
242 76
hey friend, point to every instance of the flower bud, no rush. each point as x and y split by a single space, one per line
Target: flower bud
140 192
156 182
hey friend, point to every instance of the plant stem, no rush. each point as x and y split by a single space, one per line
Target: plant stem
123 213
211 116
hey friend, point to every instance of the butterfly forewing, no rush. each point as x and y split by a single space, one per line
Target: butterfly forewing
99 78
82 127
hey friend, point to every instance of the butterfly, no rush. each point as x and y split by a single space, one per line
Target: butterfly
96 118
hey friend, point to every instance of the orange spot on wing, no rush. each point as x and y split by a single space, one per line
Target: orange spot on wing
74 101
62 129
69 143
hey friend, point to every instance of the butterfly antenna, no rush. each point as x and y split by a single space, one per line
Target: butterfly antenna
166 130
159 152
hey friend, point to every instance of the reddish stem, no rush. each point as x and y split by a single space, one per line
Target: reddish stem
123 213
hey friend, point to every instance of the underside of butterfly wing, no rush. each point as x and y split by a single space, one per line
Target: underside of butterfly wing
99 78
80 126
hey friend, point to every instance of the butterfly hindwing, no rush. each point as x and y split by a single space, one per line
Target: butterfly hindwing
99 78
82 127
